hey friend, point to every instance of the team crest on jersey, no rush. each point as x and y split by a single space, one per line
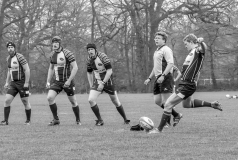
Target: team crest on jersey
14 62
62 59
190 53
100 64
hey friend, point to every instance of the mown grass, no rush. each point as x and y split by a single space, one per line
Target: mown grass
203 133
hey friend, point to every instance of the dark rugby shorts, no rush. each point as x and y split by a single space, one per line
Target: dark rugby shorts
18 87
186 89
58 86
166 86
109 87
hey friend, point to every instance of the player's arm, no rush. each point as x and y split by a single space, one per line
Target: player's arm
202 45
108 75
90 78
73 71
179 74
150 77
50 74
168 68
27 73
7 79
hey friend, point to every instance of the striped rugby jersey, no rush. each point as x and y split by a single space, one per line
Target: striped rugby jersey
162 56
192 65
15 64
99 65
61 61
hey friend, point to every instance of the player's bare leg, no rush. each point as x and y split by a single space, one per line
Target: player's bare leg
75 108
119 107
51 99
93 95
25 101
7 103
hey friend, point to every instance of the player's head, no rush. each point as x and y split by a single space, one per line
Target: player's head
160 38
11 47
91 48
56 42
190 41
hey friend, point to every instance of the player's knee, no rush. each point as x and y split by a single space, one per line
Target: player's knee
186 106
91 101
8 101
74 103
25 102
50 99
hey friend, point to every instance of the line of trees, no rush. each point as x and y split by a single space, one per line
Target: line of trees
124 30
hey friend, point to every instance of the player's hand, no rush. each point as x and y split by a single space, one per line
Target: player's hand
160 79
26 85
200 40
47 85
6 85
67 84
147 81
100 86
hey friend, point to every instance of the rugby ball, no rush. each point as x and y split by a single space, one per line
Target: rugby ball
146 123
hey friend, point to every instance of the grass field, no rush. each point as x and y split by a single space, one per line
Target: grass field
203 133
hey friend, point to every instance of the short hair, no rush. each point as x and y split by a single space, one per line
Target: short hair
163 34
91 45
190 38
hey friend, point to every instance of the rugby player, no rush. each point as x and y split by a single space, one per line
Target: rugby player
18 76
191 69
99 64
61 61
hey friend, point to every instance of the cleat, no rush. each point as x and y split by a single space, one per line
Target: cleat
78 122
54 122
4 123
28 122
154 131
136 128
167 125
177 119
99 123
127 121
216 105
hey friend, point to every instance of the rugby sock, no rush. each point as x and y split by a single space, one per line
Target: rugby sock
164 119
96 112
28 114
199 103
174 113
76 112
6 113
122 112
53 108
